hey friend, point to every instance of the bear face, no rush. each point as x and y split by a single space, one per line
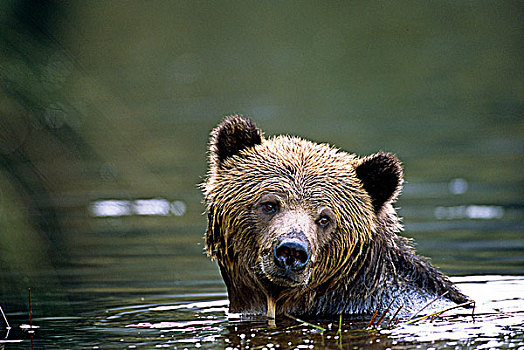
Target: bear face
291 221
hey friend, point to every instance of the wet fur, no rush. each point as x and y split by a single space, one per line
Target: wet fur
360 266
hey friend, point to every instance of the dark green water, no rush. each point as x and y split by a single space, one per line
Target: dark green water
113 101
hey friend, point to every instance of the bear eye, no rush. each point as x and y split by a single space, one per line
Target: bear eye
269 207
325 217
323 221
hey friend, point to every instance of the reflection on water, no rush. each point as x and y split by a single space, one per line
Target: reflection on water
170 321
149 207
485 212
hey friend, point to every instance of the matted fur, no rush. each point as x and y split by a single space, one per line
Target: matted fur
358 265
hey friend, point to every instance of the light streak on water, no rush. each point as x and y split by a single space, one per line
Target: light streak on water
137 207
483 212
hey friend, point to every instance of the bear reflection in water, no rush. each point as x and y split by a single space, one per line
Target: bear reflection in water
306 229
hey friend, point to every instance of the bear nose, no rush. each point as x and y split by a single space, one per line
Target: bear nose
292 254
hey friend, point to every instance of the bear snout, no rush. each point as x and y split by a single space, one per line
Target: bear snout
291 254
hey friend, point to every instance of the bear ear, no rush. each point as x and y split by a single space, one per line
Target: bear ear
231 136
381 176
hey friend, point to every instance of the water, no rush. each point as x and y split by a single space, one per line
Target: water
147 296
105 112
151 314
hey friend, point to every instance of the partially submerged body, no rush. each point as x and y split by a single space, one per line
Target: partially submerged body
306 229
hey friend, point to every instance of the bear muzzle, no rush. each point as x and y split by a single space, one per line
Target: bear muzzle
287 264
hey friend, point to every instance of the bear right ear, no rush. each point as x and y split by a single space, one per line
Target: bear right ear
231 136
381 176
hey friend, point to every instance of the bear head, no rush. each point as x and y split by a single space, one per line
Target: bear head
287 215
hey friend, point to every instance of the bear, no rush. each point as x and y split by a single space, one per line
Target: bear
305 229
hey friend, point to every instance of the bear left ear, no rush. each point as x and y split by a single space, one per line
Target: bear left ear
381 176
231 136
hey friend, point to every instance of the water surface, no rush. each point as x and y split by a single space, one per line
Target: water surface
192 313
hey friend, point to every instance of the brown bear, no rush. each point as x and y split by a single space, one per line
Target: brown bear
306 229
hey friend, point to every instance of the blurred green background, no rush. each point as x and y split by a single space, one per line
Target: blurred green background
114 100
